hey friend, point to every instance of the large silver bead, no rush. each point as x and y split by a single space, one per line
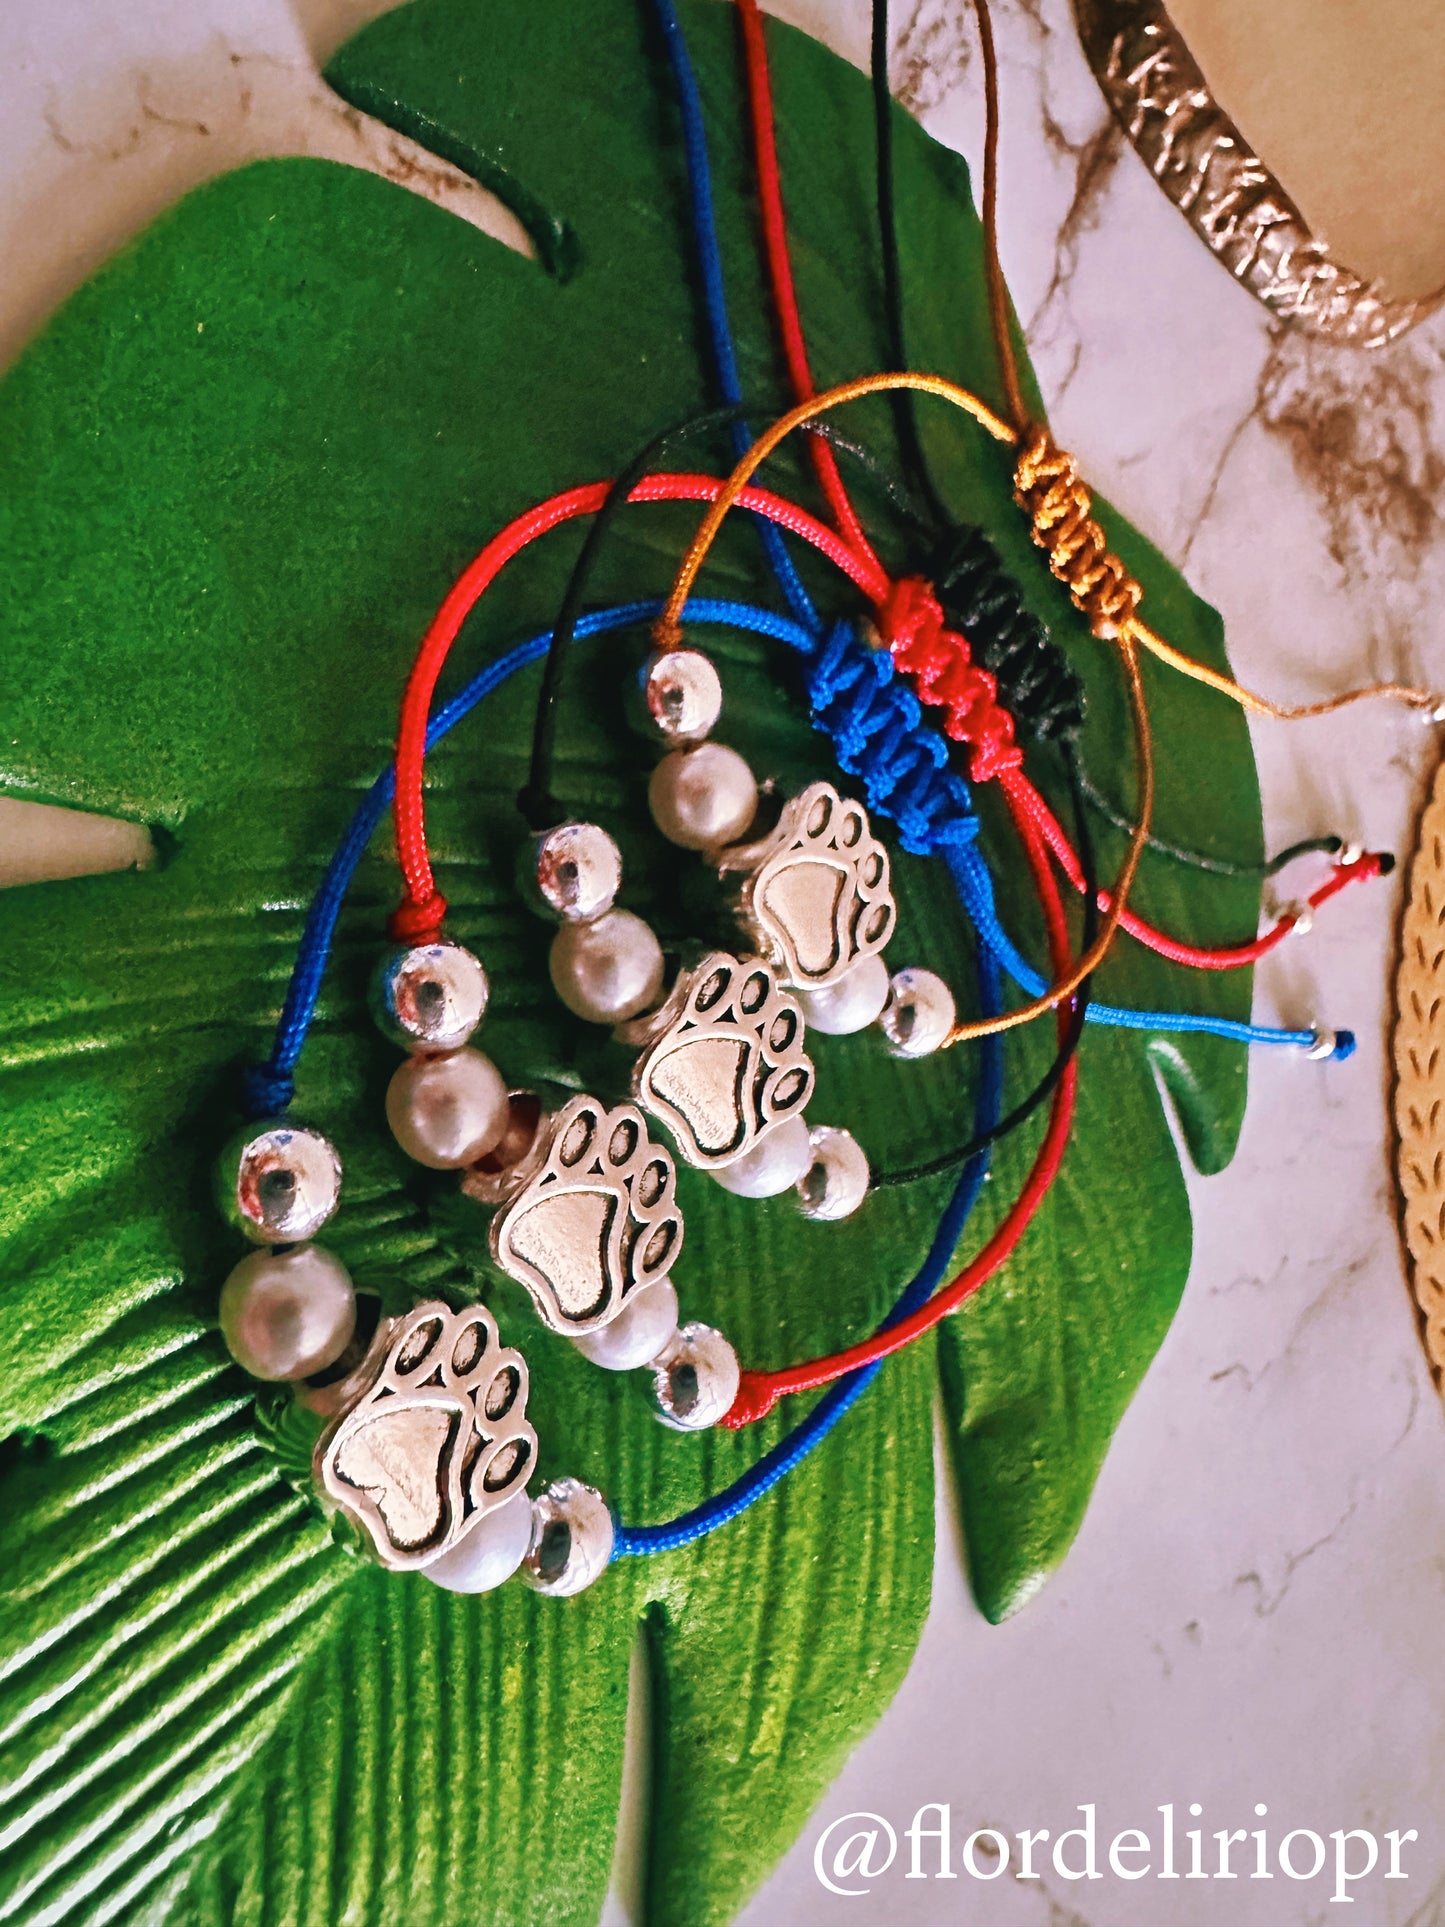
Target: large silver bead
607 970
448 1111
723 1063
919 1014
852 1003
572 1535
816 892
278 1183
836 1180
579 871
491 1552
681 694
288 1314
640 1332
430 997
773 1166
703 798
436 1444
696 1379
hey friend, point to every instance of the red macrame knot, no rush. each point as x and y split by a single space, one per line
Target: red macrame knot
755 1399
418 923
941 665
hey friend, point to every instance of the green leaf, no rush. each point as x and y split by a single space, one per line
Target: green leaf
239 470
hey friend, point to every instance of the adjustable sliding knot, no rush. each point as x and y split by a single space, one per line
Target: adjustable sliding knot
1039 685
945 675
419 923
858 698
1047 487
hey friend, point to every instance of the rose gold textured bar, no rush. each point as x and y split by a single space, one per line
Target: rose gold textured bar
1159 96
1419 1052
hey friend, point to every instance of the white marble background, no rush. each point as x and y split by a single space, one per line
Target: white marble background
1249 1613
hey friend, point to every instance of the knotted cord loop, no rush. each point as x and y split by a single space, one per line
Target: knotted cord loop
1048 488
943 670
419 923
266 1091
872 716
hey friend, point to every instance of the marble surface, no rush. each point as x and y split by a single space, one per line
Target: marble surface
1246 1617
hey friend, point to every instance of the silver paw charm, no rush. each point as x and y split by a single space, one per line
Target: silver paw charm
815 894
723 1062
594 1217
439 1440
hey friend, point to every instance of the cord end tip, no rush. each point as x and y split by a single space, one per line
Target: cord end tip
1384 862
1329 1045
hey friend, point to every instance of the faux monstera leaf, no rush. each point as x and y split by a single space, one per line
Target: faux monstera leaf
239 469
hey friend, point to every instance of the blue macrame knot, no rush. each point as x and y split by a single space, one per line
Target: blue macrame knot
874 719
266 1092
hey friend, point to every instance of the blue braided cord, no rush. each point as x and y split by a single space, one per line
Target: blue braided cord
975 889
268 1087
876 723
709 256
630 1542
859 698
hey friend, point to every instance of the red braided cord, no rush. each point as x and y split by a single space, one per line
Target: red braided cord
780 271
1360 870
423 908
758 1392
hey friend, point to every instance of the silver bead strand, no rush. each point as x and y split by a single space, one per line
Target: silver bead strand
288 1311
836 1180
681 696
278 1183
696 1379
606 964
919 1014
430 997
572 1538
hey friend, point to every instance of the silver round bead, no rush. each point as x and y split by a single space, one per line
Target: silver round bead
607 970
703 798
681 694
288 1314
638 1334
696 1379
431 997
772 1167
836 1182
1323 1043
448 1111
919 1014
852 1003
572 1534
579 871
491 1552
278 1182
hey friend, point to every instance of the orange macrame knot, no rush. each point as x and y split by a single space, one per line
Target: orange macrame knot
419 923
945 675
1048 489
